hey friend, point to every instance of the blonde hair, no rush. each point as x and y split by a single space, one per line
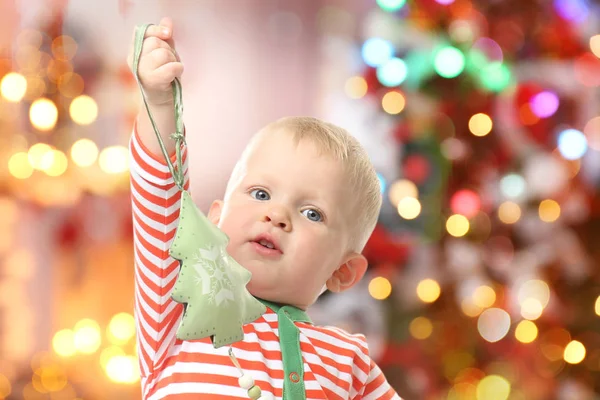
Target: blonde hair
335 142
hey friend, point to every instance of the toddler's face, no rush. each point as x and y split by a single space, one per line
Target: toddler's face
287 217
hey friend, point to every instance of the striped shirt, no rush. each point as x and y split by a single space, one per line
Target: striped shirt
336 364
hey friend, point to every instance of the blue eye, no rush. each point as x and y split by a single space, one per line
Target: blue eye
260 194
312 214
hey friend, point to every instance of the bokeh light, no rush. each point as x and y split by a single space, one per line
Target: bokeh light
572 144
534 289
13 87
493 387
123 369
549 210
19 166
409 208
114 160
376 51
597 306
421 328
457 225
531 309
495 77
83 110
595 45
121 328
526 331
393 102
380 288
54 163
513 186
509 212
544 104
391 5
480 124
84 152
400 189
87 336
428 290
493 324
356 87
484 296
392 72
43 114
574 352
63 343
573 10
465 202
449 62
382 183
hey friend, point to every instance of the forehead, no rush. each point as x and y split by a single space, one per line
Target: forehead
301 164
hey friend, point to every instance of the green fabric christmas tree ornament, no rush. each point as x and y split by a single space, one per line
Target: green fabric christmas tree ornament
211 284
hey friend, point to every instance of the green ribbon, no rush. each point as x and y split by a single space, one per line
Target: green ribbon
291 355
178 136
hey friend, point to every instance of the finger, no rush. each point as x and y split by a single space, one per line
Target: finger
158 31
167 23
159 57
153 43
168 72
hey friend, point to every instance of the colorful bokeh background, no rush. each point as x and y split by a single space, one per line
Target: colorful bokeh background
482 118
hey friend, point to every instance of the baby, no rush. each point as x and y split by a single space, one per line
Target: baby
299 207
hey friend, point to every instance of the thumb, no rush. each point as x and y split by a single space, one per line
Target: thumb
167 23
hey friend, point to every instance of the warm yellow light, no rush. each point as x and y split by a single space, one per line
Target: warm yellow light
19 167
597 306
83 110
54 163
401 189
526 331
51 378
356 87
535 289
123 369
493 387
509 212
428 290
121 328
457 225
549 210
63 343
595 45
484 296
108 353
87 337
393 102
13 87
84 152
420 328
469 308
380 288
43 114
36 153
409 208
531 309
114 160
574 352
480 124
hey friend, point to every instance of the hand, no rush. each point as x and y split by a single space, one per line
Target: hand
159 63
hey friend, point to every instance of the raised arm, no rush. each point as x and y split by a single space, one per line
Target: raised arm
155 202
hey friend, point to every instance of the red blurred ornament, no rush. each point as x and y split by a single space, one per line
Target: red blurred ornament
384 248
416 168
465 202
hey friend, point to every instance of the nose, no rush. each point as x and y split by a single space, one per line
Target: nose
279 217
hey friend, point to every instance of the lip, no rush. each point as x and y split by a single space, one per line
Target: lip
275 251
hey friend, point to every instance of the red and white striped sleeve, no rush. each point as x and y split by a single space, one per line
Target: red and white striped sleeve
377 387
155 207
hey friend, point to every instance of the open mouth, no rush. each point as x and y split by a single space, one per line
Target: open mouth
266 243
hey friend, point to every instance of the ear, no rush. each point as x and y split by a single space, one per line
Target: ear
214 213
348 274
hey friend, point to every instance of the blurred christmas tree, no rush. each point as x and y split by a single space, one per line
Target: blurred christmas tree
494 105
